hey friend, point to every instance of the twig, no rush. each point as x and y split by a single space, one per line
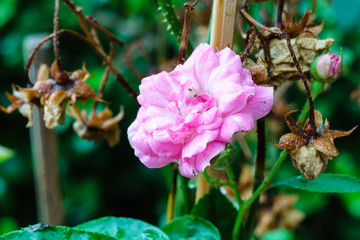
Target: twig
311 128
189 8
279 23
56 27
174 25
249 44
95 44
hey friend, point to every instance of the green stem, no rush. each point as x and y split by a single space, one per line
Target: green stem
317 87
174 25
213 182
263 186
232 181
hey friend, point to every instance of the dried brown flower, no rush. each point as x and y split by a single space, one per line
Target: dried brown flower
97 126
278 212
310 153
306 49
49 95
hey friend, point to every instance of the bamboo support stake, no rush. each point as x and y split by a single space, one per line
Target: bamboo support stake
222 36
44 148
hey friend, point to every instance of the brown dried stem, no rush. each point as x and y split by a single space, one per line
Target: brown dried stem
249 44
95 43
56 42
279 15
189 8
312 129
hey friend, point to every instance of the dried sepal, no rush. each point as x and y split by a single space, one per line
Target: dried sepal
295 29
310 153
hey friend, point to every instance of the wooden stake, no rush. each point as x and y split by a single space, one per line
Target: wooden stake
222 36
44 148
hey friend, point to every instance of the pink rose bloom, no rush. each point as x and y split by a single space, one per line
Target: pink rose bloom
188 115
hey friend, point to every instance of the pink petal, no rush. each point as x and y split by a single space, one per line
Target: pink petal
199 143
261 103
158 90
242 121
190 167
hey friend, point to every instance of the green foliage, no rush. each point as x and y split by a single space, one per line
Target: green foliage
224 159
41 232
325 183
124 228
216 208
5 154
191 228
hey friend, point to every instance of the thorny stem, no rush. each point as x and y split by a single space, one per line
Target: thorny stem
312 130
279 15
172 195
259 173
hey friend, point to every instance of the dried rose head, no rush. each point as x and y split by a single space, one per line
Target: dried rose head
49 95
97 126
278 212
309 152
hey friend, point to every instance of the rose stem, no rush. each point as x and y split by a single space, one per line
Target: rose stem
311 129
189 8
172 195
279 15
259 174
222 36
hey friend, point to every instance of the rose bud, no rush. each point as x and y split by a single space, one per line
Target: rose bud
327 67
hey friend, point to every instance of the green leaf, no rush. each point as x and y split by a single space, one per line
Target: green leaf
191 228
216 208
5 153
124 228
325 183
41 232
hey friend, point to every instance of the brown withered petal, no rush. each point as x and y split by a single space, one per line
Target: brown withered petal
294 29
306 49
291 142
278 212
310 162
96 127
310 154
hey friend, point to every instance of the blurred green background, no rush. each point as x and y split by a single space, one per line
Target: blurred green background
100 181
